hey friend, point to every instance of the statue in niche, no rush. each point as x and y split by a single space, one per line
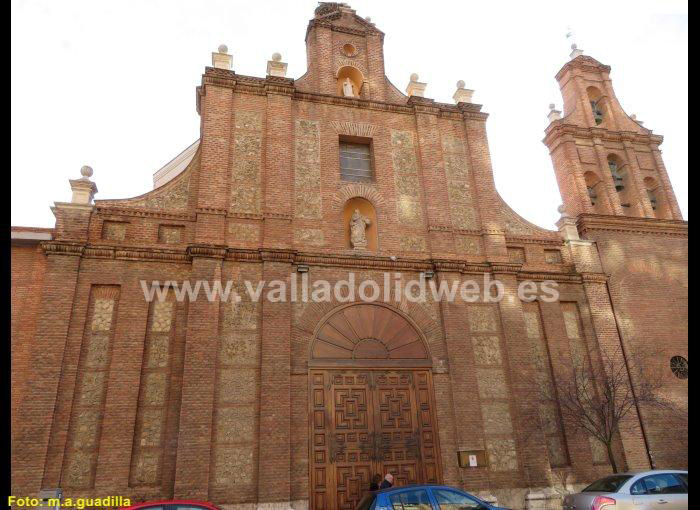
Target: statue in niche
347 88
358 224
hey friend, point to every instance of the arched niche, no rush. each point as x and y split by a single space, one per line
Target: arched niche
366 209
597 102
656 198
356 78
596 192
366 335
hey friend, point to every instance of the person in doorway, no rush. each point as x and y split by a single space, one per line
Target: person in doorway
387 482
374 484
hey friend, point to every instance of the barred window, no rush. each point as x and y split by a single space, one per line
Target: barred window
356 162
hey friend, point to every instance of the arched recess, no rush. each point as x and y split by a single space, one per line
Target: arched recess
597 102
618 170
356 78
366 209
596 192
656 198
368 335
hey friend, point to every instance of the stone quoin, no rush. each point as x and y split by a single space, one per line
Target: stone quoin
282 405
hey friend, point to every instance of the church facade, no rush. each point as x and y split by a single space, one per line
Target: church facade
339 176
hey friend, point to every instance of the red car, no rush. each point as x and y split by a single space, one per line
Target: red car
173 504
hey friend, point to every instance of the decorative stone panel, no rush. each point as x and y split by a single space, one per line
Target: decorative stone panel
237 385
502 454
459 190
170 234
406 179
491 383
149 439
496 416
307 170
239 347
412 243
92 388
470 245
482 319
102 314
487 350
97 350
114 230
516 255
233 466
162 316
244 232
552 256
235 424
84 427
145 468
599 451
308 237
247 160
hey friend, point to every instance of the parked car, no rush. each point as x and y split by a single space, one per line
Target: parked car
173 504
648 490
423 497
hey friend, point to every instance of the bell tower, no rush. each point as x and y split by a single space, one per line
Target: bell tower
606 162
345 56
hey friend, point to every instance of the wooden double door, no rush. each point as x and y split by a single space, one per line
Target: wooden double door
364 422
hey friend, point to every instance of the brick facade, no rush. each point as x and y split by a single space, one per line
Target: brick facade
210 399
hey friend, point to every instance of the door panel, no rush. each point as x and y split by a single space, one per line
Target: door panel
367 422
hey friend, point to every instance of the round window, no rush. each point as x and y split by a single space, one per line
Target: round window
679 367
349 50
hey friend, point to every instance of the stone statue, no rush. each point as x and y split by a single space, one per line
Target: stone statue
347 88
358 224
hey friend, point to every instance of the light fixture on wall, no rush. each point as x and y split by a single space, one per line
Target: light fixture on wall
427 274
302 269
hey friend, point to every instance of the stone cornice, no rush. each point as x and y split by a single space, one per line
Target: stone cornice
597 222
206 251
293 257
558 129
63 248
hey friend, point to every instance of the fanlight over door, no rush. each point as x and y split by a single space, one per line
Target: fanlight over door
368 334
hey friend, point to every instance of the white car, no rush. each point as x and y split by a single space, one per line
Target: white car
648 490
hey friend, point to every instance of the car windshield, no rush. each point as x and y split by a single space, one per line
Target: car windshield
608 484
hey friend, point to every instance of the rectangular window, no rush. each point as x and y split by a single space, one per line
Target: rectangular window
356 161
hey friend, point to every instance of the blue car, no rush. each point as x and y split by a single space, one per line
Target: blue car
423 497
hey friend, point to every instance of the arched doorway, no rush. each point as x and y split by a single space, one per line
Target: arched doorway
371 404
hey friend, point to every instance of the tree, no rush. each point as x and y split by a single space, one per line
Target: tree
598 402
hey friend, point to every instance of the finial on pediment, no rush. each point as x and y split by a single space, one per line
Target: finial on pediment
221 58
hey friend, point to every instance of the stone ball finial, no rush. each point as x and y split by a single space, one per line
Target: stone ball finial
573 46
276 56
561 209
460 84
551 106
223 48
368 19
86 171
414 76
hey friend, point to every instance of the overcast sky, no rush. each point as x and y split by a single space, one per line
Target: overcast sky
112 83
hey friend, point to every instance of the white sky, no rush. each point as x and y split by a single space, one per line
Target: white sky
112 83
